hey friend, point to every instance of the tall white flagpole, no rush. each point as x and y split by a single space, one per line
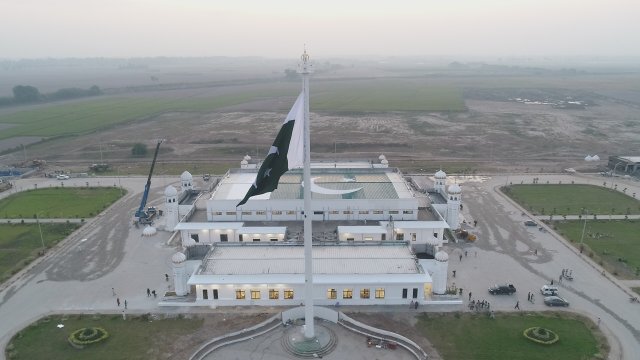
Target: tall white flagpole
309 328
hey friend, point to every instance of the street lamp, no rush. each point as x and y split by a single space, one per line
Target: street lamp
41 237
613 174
584 227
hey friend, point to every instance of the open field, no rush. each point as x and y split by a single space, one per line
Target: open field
613 243
546 199
59 203
20 243
476 336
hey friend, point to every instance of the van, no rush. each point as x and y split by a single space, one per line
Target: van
549 290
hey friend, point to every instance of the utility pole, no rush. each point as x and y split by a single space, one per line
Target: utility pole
41 237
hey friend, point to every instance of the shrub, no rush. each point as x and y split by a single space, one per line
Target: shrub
541 335
87 336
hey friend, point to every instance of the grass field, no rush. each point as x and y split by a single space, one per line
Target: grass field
135 338
572 199
20 243
478 337
372 95
614 243
59 203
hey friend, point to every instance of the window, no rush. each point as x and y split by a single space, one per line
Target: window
291 212
255 294
383 237
363 212
334 212
405 292
246 213
276 212
368 238
224 238
415 293
240 294
380 293
288 293
435 235
393 212
347 293
215 294
347 212
332 294
318 213
350 239
365 293
274 294
400 236
240 238
413 236
273 239
261 212
256 239
217 213
205 294
230 212
407 211
378 212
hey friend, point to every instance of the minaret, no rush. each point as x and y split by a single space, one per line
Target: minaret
441 181
186 182
171 206
440 273
453 206
179 275
309 328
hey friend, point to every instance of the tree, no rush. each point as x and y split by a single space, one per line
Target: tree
139 149
24 94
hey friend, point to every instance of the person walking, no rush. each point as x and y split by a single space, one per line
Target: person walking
113 292
469 295
148 292
118 301
465 253
454 273
125 304
529 296
517 305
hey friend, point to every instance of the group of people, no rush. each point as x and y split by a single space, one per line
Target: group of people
479 305
530 297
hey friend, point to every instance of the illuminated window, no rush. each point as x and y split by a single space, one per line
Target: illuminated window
274 294
261 212
365 293
255 294
291 212
380 293
240 294
413 237
288 293
276 212
347 293
332 294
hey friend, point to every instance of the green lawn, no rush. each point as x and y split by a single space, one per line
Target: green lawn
20 243
69 202
478 337
616 243
572 199
134 338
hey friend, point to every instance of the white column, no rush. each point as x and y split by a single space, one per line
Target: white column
309 331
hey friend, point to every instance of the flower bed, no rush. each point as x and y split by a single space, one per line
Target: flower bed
87 336
541 335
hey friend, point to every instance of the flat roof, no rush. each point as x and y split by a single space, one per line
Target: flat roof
328 183
634 159
209 226
288 259
439 224
377 229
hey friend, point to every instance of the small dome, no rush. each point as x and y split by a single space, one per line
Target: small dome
170 191
246 158
244 162
433 241
384 162
381 157
588 158
178 258
440 175
149 231
441 256
186 176
454 189
189 242
595 158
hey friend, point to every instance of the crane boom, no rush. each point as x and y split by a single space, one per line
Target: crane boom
141 214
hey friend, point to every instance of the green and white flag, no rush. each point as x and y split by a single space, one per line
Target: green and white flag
286 153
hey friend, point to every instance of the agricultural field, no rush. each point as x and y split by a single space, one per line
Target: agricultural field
615 244
569 199
59 202
476 336
20 244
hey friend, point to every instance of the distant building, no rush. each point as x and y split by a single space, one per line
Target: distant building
624 164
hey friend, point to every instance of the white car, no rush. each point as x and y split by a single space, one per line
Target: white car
62 177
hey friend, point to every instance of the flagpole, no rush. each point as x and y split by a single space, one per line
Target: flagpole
309 329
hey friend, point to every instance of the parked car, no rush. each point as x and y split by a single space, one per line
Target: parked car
549 290
62 177
530 223
555 301
506 289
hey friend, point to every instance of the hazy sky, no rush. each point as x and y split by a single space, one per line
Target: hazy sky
279 28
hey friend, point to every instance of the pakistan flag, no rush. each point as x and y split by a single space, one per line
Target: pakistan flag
287 152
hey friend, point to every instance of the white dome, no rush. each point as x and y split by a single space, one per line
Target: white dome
454 189
384 162
170 191
178 258
381 157
588 158
189 242
441 256
433 241
441 175
595 158
149 231
247 157
186 176
244 162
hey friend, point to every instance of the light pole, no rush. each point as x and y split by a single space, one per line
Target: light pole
41 237
613 174
584 227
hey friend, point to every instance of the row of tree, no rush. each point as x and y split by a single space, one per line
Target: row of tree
25 94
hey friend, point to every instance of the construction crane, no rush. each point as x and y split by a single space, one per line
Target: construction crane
146 216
